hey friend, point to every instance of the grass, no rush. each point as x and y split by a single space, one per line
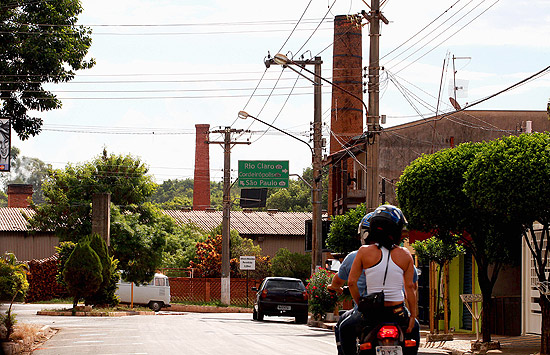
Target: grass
216 303
119 308
55 301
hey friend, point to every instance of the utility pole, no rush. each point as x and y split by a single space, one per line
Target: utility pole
373 116
227 144
317 227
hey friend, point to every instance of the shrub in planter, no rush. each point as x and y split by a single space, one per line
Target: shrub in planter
321 301
82 272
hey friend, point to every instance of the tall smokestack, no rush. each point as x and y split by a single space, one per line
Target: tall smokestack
346 119
201 185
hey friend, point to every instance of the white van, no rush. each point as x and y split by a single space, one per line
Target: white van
156 294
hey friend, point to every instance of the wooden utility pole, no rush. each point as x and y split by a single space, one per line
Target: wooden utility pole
227 143
374 16
101 216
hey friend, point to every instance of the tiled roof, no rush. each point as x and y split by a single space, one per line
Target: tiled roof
278 223
246 223
11 219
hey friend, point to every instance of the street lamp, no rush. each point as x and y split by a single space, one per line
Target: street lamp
316 242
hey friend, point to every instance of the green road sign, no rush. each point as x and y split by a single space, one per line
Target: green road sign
263 173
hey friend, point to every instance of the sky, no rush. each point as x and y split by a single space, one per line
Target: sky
164 66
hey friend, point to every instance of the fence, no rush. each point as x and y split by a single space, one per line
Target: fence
184 289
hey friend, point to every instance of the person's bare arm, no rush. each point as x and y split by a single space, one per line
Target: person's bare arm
355 273
336 284
410 290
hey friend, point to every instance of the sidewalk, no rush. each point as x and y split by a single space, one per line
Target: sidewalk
461 343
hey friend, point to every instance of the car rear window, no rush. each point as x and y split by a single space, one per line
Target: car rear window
285 284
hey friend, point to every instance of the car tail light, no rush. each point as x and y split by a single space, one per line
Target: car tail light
264 293
410 343
304 294
365 346
388 331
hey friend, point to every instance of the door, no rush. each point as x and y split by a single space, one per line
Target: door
532 318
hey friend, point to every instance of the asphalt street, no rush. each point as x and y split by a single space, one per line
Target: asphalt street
179 333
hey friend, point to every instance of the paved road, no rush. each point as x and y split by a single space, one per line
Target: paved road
184 333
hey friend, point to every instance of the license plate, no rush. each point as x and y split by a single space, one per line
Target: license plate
389 350
283 307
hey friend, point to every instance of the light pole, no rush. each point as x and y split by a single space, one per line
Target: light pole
316 233
316 243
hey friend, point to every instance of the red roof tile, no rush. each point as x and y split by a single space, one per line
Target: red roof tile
279 223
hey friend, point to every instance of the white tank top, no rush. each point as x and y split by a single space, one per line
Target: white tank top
393 288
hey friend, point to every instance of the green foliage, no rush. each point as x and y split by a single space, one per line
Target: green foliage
36 55
320 299
82 272
138 239
68 193
64 249
343 237
434 249
26 170
13 285
13 278
105 295
180 246
286 263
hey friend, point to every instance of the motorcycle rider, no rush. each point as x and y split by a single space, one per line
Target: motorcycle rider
386 225
346 330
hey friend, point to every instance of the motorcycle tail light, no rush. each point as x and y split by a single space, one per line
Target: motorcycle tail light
264 293
388 331
365 346
410 343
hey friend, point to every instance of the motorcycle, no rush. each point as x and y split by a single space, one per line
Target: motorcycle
385 338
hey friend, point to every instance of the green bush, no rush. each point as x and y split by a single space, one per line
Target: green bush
321 301
105 295
83 272
343 237
286 263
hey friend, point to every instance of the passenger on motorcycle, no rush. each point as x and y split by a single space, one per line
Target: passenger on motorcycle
346 330
387 267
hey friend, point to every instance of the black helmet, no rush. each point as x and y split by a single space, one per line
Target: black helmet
386 225
364 228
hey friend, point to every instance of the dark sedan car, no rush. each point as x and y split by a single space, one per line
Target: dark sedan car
281 296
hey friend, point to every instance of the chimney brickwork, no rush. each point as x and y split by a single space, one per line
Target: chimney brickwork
347 112
19 195
201 185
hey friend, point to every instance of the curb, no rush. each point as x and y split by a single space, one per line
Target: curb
206 309
95 314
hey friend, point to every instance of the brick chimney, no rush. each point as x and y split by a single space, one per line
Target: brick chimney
19 195
201 187
347 112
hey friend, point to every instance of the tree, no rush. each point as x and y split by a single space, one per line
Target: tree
288 264
430 193
105 295
40 43
440 252
27 170
510 178
208 259
68 193
138 239
180 246
83 272
13 284
343 237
